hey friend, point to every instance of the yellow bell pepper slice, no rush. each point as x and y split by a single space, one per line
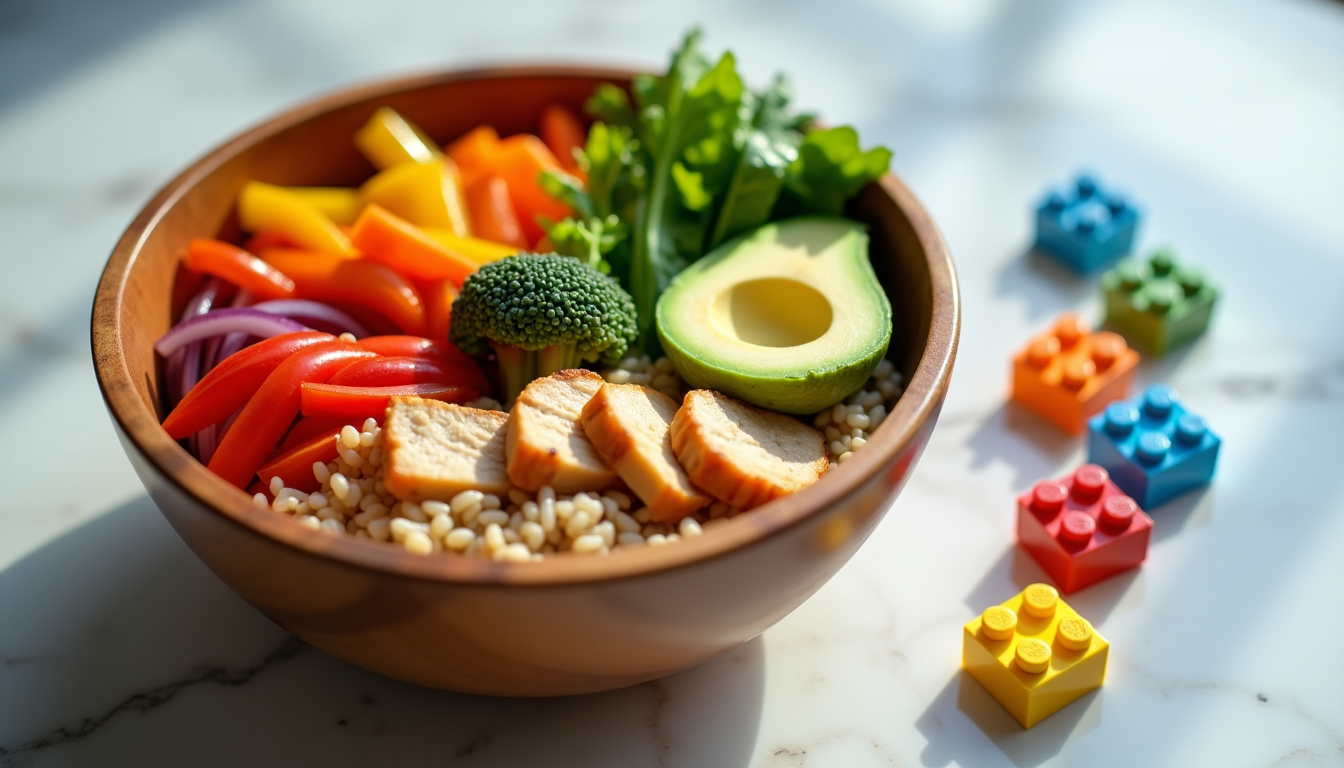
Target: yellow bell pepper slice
389 139
268 208
425 194
473 248
339 204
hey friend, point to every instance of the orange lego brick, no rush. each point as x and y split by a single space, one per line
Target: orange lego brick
1071 373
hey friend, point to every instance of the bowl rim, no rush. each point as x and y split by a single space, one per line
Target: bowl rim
139 424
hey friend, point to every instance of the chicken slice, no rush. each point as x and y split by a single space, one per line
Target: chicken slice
436 450
628 425
742 455
546 444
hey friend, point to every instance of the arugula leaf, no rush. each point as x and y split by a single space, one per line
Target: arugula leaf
756 185
830 169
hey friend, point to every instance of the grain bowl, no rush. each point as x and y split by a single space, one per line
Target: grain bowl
565 625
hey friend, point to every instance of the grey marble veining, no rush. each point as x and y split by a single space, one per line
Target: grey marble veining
1221 119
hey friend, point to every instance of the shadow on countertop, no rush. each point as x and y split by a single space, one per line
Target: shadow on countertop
118 647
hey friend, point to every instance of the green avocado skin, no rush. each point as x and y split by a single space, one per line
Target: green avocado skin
799 393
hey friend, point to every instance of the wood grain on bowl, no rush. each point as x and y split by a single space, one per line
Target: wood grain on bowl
562 626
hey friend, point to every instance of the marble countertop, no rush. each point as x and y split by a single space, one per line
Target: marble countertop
1222 118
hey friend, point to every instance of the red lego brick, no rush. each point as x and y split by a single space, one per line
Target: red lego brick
1082 529
1071 373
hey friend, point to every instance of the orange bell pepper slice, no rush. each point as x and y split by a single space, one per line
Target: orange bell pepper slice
239 267
362 282
439 296
563 133
492 214
268 414
385 237
363 402
294 467
520 162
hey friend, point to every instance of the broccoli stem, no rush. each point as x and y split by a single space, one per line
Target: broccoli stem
518 366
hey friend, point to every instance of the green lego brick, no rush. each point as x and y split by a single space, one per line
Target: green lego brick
1156 303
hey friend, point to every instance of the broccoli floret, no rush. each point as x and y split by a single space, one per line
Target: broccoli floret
542 314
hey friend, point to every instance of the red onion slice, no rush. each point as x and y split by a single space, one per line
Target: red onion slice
314 310
235 320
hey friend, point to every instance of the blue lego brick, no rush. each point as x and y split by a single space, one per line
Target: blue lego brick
1085 227
1153 448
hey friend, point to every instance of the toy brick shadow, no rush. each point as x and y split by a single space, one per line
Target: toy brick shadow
966 726
120 647
1042 285
1190 509
1024 441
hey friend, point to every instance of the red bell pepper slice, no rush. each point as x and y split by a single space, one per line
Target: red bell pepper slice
231 384
415 346
295 467
363 402
329 277
239 267
397 371
271 410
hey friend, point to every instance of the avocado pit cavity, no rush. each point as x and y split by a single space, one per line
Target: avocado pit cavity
772 312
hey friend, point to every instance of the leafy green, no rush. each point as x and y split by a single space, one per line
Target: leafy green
692 160
830 169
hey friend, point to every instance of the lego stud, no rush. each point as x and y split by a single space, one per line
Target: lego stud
1162 295
1190 279
1086 185
1039 600
1032 655
1107 347
1190 429
1131 274
1048 497
1115 204
1077 528
1120 419
998 623
1055 202
1042 351
1157 401
1153 447
1077 373
1118 512
1088 483
1162 263
1074 634
1069 328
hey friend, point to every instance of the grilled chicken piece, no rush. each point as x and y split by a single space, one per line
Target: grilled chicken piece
628 425
546 444
742 455
436 450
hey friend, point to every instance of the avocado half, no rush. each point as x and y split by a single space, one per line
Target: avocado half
789 317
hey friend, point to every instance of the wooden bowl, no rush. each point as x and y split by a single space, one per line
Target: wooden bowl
563 626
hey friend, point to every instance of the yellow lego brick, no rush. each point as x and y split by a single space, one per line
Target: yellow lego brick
1034 653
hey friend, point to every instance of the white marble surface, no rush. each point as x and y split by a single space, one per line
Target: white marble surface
1223 118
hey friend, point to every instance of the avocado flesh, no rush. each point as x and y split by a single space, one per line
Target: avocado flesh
789 317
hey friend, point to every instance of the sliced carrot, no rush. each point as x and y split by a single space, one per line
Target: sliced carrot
309 427
520 163
365 282
563 133
492 213
239 267
475 153
383 236
267 239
